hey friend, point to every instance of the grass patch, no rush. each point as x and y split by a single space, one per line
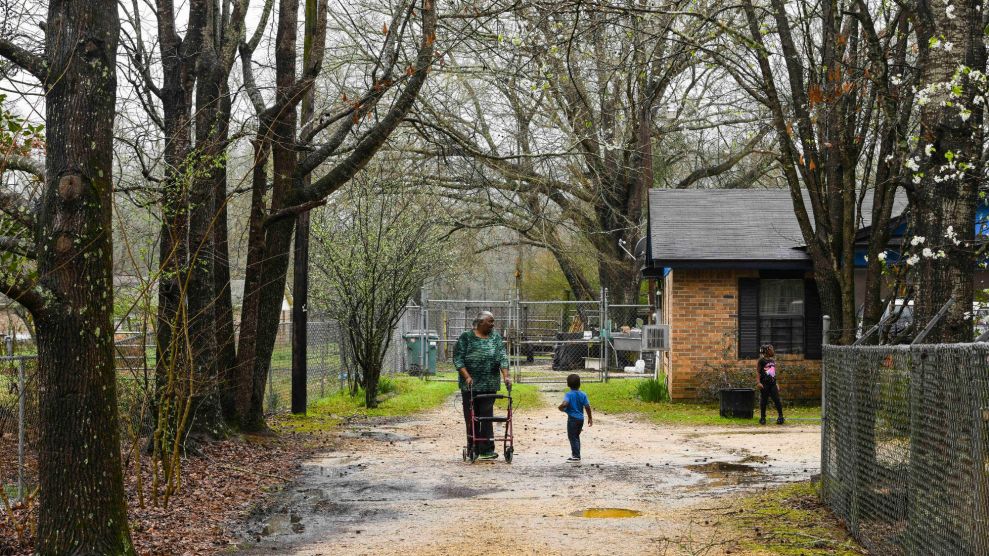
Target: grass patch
622 396
791 521
526 397
401 395
406 395
652 390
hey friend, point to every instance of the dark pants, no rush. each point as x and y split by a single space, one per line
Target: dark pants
770 390
574 426
483 407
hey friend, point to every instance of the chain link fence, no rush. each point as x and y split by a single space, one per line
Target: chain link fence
325 365
18 427
904 457
546 340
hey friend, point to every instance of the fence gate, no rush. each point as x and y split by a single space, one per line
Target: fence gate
546 340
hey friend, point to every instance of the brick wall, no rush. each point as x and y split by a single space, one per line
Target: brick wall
703 316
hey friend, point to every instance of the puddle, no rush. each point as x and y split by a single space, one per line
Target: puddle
452 492
383 436
721 468
608 513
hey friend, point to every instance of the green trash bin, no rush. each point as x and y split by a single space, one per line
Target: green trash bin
416 342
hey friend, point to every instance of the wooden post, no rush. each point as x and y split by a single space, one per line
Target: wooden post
300 296
300 277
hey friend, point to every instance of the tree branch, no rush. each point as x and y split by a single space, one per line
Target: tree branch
33 297
723 167
32 63
18 246
23 164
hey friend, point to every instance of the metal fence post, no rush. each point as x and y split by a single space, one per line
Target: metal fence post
826 328
607 338
21 394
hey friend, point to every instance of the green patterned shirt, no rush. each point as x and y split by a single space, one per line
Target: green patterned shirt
484 359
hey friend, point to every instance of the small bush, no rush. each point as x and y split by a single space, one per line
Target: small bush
386 386
653 390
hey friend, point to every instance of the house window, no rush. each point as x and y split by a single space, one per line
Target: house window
781 315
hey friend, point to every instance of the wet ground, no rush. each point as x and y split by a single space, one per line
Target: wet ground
401 488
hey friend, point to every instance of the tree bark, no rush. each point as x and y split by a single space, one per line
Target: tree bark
945 190
82 509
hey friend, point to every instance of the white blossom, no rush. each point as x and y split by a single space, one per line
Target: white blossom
950 11
941 254
914 259
927 253
917 240
881 257
929 149
912 164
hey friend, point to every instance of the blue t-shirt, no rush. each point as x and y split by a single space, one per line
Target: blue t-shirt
576 400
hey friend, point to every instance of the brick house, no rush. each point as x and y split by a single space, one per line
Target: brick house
734 276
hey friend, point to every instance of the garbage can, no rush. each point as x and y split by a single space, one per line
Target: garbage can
417 342
737 403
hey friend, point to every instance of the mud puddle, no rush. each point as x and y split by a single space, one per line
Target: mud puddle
608 513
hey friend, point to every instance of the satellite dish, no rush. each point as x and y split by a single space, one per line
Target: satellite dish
640 249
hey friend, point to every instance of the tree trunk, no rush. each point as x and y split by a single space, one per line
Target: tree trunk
277 237
211 125
82 509
949 178
240 382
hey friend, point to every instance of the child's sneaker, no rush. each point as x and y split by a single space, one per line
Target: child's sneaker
780 421
572 459
762 421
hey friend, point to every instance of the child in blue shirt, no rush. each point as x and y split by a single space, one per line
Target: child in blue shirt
574 404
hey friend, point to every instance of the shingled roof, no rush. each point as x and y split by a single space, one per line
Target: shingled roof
733 228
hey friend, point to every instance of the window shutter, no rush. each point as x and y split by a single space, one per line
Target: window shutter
748 318
813 325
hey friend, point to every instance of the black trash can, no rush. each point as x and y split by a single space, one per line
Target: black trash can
737 403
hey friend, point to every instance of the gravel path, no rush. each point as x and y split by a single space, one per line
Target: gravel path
402 488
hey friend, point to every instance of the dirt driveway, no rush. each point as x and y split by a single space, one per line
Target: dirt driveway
401 488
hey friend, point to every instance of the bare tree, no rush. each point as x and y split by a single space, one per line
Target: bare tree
376 246
554 120
70 292
337 144
836 81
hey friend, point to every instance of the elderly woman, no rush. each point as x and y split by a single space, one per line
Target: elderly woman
479 356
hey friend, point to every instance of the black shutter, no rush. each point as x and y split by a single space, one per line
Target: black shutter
813 325
748 318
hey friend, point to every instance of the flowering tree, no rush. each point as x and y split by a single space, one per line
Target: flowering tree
947 164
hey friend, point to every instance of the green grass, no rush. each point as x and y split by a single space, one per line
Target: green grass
525 397
401 396
408 395
791 521
621 396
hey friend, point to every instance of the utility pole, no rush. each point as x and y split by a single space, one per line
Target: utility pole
300 276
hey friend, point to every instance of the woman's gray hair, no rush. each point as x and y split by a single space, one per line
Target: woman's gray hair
481 316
